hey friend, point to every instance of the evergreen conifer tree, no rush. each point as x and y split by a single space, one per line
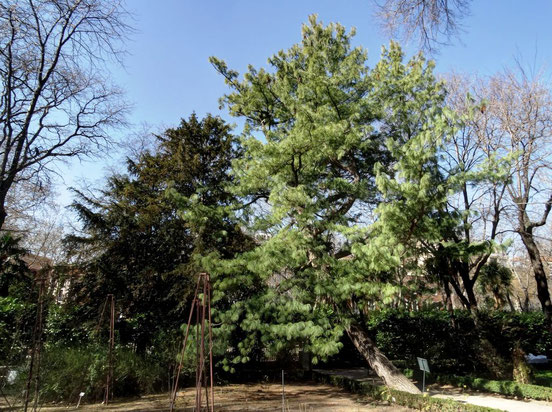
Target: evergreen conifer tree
340 172
136 244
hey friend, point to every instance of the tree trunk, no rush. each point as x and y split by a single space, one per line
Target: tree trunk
510 303
3 215
5 184
468 284
540 275
390 375
448 302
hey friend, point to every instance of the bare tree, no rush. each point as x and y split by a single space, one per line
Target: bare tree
23 201
55 99
35 218
524 288
479 201
517 127
40 229
433 22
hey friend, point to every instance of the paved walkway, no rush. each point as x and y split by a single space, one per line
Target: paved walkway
451 392
499 403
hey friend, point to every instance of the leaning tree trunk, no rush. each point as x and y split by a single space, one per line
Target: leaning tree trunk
540 275
390 375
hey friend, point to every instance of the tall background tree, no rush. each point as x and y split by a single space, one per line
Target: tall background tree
477 199
17 301
136 245
429 22
56 101
517 125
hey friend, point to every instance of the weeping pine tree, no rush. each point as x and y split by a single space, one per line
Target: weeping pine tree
339 172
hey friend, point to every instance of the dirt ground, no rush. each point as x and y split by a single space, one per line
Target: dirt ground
303 397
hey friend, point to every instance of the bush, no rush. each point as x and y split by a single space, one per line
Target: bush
18 297
543 378
62 327
508 329
16 321
65 372
403 336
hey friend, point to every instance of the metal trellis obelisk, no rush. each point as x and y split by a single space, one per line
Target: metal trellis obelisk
109 379
204 384
36 348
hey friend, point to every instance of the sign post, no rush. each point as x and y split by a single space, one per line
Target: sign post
80 397
422 363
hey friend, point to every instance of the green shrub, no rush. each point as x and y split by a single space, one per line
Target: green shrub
18 297
62 327
16 321
404 335
506 330
543 378
65 372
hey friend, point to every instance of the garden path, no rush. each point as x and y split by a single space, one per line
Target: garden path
451 392
491 401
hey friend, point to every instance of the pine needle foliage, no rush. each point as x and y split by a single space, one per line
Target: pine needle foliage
340 174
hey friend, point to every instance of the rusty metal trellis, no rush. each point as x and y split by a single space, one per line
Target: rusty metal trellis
204 384
36 348
109 378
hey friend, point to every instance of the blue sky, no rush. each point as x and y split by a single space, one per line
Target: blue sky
168 76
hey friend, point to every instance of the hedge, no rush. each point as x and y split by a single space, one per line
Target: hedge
543 377
508 388
404 335
414 401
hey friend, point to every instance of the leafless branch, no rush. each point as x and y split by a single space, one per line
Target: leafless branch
55 99
432 22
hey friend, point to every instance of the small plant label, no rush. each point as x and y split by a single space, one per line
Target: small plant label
80 397
422 363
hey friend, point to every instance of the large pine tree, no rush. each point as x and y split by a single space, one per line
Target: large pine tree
340 170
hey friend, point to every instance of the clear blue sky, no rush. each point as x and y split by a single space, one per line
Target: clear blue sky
168 75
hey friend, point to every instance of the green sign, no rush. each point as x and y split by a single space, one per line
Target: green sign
422 363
